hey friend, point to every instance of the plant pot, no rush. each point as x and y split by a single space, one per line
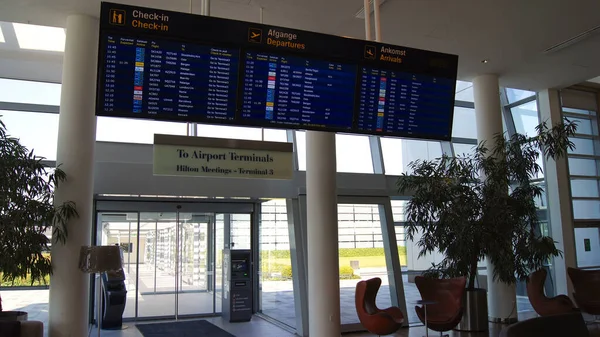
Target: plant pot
475 311
13 316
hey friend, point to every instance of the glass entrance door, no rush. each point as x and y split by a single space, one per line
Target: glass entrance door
173 260
195 291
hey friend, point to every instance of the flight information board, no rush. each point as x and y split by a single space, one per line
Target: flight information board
165 65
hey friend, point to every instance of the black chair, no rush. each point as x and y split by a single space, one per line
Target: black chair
564 325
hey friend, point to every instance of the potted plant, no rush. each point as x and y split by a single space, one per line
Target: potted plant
482 204
27 213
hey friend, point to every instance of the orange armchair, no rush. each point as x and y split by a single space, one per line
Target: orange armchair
587 289
375 320
543 305
448 294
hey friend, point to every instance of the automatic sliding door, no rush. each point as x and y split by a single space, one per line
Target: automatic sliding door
156 279
173 260
196 275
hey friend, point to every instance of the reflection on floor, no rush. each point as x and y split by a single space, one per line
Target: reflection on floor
278 299
261 328
35 302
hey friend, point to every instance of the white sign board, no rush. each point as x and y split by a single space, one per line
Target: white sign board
210 157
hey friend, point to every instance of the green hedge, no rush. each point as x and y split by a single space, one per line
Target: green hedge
343 252
24 282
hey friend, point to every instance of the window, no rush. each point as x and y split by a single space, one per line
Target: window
586 188
514 95
463 149
526 118
398 207
580 107
464 125
585 126
361 252
399 153
37 131
232 132
582 167
275 277
353 153
40 37
583 146
586 209
275 135
17 91
126 130
464 91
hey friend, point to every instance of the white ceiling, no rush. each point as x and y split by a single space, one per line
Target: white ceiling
511 34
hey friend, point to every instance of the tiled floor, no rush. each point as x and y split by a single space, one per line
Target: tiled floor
277 302
261 328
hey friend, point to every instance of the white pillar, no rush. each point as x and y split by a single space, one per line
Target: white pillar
69 287
322 235
502 298
559 196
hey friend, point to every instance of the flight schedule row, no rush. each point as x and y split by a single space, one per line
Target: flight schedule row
164 78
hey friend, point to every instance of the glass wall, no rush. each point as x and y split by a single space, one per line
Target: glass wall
361 255
275 275
399 153
37 131
582 108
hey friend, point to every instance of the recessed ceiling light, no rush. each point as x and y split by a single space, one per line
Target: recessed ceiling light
40 37
484 61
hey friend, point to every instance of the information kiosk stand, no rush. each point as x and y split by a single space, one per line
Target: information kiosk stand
114 296
237 285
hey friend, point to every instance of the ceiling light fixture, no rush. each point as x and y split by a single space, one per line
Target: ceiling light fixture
484 61
571 41
361 13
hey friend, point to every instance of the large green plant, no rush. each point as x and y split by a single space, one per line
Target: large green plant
27 212
483 205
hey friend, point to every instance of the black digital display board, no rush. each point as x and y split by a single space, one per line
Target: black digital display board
174 66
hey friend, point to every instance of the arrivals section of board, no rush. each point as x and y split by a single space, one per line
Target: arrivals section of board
396 102
170 80
298 91
165 78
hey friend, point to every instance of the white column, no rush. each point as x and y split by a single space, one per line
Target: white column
559 196
322 235
69 287
502 305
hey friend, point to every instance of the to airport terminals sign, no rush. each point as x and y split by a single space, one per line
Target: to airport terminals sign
227 158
